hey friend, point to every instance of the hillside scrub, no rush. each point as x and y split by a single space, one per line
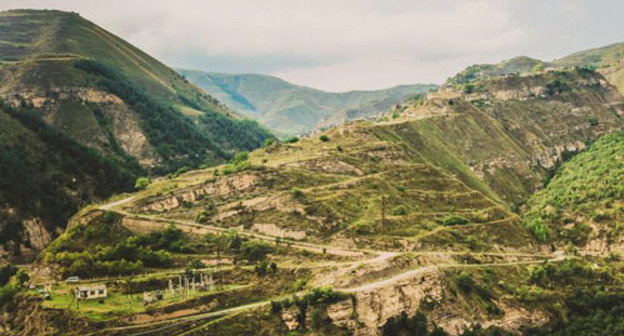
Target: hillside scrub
174 136
77 254
64 159
583 190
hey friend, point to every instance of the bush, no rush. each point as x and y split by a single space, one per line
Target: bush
254 250
453 220
464 282
539 67
556 87
141 183
296 193
399 210
6 272
240 157
269 142
197 264
324 138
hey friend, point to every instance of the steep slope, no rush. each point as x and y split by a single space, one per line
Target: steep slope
582 204
609 61
100 97
289 108
453 163
527 123
400 215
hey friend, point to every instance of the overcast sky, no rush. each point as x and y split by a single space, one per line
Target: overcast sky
342 45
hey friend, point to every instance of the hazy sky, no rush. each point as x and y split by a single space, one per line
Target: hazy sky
341 45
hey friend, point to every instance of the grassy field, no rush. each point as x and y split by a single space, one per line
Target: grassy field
117 304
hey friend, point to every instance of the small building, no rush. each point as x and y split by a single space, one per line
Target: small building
89 292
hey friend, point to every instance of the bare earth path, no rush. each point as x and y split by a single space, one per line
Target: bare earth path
378 257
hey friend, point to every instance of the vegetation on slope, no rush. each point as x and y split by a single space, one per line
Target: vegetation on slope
85 113
515 66
585 192
288 109
48 175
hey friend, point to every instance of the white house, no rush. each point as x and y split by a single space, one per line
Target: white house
89 292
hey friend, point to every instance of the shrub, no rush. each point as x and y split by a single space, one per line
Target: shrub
196 263
537 68
464 282
399 210
539 229
299 284
324 138
536 274
291 139
254 250
593 121
556 87
453 220
268 142
240 157
296 193
141 183
6 272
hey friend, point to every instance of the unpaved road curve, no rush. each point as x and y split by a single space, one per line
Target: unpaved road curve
380 256
557 256
109 206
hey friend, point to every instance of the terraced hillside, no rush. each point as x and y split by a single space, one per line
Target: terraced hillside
291 109
451 164
82 108
403 218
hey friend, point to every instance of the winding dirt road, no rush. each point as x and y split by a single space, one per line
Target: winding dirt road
378 257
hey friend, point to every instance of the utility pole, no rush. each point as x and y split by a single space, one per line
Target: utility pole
383 211
217 282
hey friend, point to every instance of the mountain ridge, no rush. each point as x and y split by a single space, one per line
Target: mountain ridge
72 88
291 108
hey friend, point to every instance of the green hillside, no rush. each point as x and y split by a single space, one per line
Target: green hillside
70 88
414 212
457 158
583 202
288 109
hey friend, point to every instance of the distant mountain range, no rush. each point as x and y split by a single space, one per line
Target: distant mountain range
287 108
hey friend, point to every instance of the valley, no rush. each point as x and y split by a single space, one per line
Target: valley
133 202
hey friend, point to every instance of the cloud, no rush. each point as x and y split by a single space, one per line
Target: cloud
330 44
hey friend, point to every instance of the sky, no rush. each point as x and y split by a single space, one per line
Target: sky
340 45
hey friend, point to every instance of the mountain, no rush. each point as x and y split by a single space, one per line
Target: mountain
85 112
608 60
516 65
370 228
289 109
